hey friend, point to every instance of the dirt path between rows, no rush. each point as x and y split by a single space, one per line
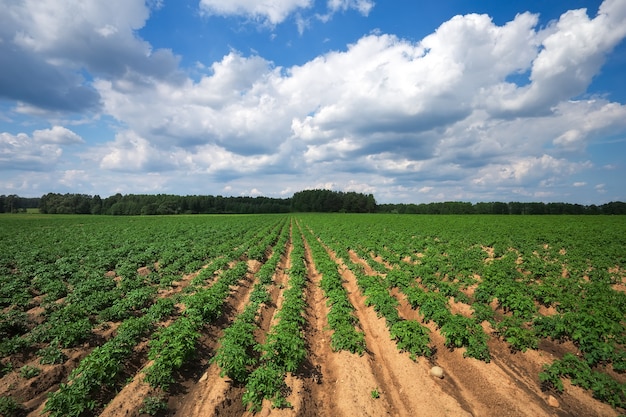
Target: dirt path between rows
51 376
342 381
130 399
214 395
406 383
508 385
338 384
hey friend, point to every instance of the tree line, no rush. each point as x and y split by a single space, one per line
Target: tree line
152 204
516 208
302 201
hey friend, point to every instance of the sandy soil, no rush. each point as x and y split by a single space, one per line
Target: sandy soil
339 383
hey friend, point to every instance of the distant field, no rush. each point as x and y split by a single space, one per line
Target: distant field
318 314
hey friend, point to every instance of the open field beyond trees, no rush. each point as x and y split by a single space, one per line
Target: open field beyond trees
312 315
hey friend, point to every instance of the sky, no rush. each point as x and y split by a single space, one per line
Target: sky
411 101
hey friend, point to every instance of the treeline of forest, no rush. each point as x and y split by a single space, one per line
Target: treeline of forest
151 204
302 201
459 207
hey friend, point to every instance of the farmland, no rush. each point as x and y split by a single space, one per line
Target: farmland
312 314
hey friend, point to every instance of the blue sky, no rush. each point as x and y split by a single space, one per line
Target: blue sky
411 101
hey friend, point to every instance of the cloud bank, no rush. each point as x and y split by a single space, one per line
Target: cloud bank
472 111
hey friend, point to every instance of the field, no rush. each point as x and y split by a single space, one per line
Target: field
312 315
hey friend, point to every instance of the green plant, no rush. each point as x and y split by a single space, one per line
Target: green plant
375 393
5 368
411 337
234 355
51 355
603 387
9 407
28 371
265 382
513 330
153 405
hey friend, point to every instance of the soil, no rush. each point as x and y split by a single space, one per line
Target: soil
381 382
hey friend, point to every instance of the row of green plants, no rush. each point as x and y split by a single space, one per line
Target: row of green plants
85 273
175 345
579 373
410 335
285 348
66 271
510 267
430 297
170 347
101 369
236 356
341 315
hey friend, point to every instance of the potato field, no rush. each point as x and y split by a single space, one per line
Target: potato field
312 315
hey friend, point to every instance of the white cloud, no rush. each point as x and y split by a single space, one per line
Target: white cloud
22 152
270 11
527 171
362 6
47 43
133 153
58 135
573 50
416 111
386 114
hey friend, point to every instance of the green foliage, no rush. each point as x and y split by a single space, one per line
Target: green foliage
172 346
265 382
235 356
341 318
153 406
482 312
580 373
51 355
64 264
9 407
13 323
28 371
461 331
284 349
14 345
411 337
516 334
5 368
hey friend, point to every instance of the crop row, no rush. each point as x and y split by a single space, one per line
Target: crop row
80 291
341 318
569 265
236 355
410 336
284 348
63 280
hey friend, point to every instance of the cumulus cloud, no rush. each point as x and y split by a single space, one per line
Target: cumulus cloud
57 135
521 171
41 151
25 77
133 153
44 45
572 51
416 111
385 114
